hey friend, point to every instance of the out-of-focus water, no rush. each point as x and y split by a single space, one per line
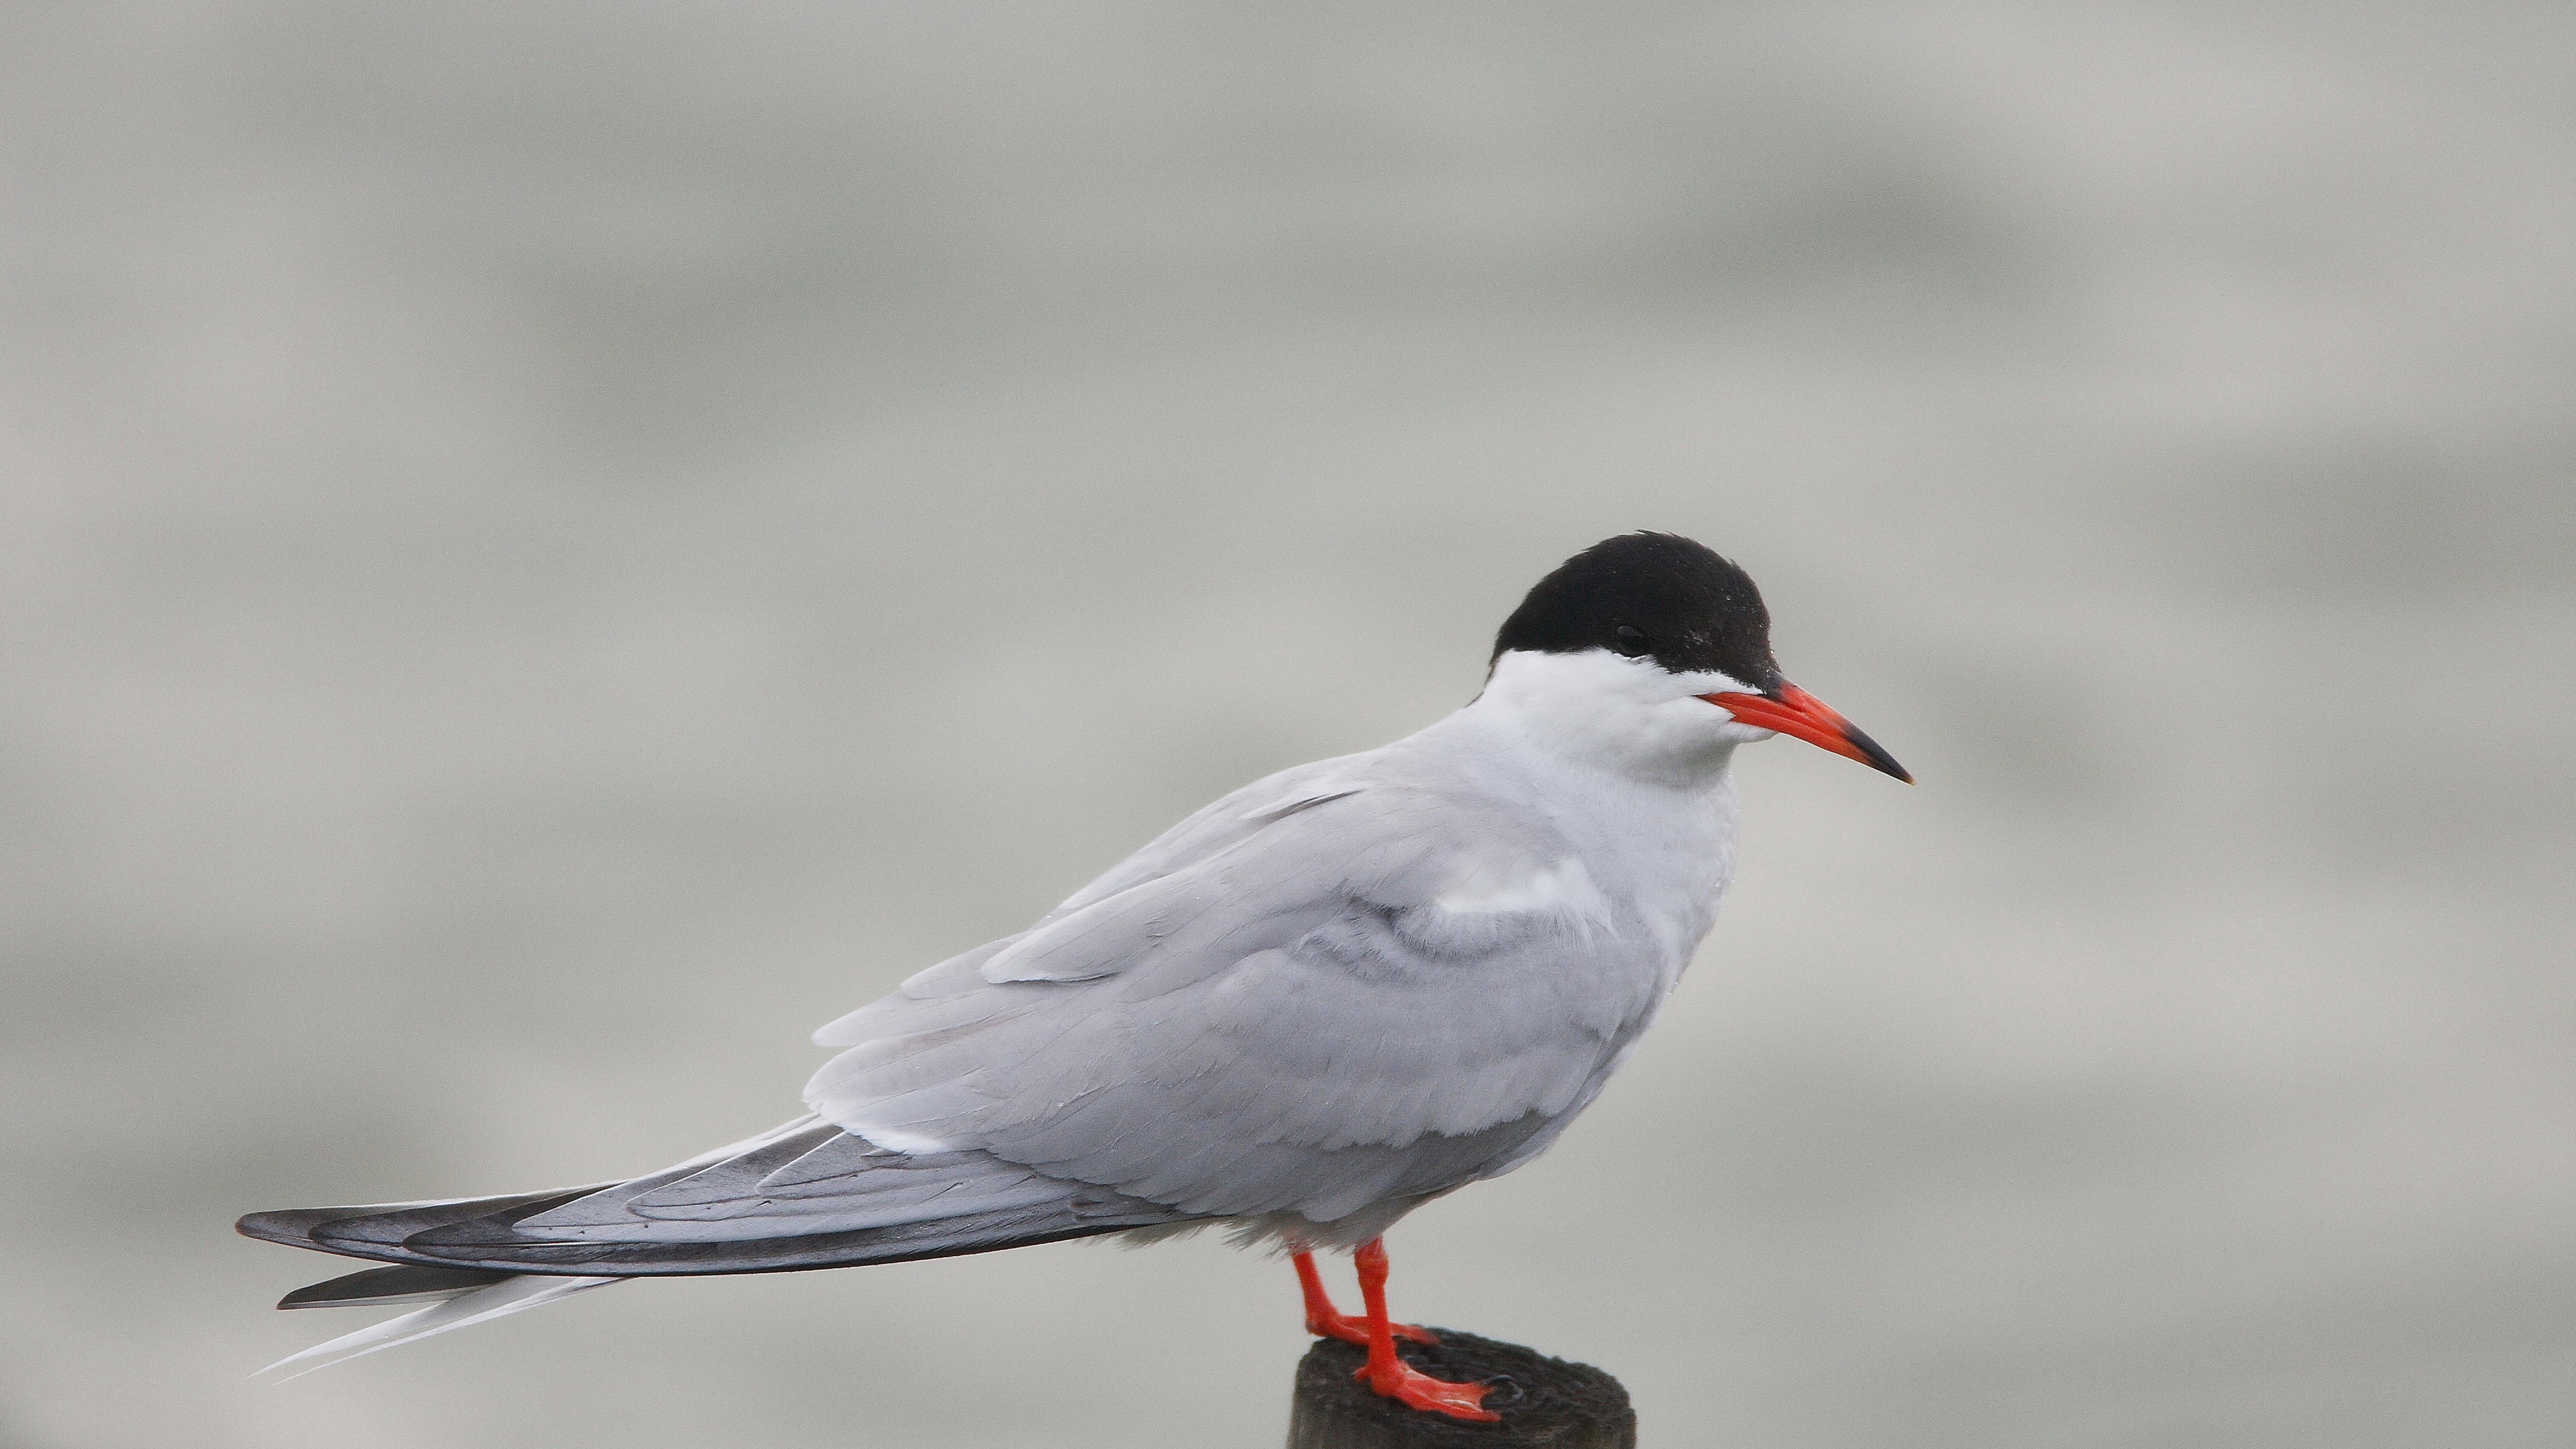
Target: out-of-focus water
551 548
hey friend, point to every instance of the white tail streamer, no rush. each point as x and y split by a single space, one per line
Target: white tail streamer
477 1305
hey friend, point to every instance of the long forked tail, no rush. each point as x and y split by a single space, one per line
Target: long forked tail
805 1195
498 1297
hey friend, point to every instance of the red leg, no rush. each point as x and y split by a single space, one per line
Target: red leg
1325 1321
1392 1377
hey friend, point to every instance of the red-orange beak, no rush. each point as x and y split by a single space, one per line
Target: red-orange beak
1793 711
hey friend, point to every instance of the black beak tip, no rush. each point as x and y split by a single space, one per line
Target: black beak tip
1878 758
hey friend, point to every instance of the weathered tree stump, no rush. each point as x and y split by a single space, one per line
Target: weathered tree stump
1546 1403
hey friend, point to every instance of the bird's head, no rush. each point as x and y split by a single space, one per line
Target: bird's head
1649 654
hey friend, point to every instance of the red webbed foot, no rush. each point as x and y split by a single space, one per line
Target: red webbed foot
1390 1376
1415 1389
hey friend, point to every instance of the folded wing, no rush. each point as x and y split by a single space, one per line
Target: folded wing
1342 997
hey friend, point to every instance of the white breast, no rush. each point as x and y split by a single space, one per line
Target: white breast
1641 858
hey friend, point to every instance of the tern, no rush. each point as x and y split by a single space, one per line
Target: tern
1330 997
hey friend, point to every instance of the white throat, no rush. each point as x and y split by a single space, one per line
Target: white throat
1626 716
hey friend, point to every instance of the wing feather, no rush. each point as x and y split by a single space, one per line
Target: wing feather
1276 1012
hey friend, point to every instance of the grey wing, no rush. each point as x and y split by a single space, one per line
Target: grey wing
810 1180
1229 821
1316 1014
809 1190
805 1195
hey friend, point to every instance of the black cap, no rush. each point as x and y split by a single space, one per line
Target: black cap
1652 595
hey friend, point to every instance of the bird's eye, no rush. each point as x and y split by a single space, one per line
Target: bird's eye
1631 642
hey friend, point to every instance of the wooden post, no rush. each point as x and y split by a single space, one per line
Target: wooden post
1546 1403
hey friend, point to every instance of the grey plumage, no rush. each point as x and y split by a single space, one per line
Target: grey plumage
1281 1019
485 1234
1313 1006
1293 1012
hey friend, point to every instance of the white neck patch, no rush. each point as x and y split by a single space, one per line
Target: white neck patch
1624 715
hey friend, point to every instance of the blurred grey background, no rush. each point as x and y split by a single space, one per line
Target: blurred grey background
552 548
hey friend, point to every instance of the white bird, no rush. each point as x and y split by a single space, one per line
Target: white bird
1330 997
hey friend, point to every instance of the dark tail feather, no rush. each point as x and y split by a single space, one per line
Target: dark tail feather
477 1234
323 1228
402 1283
473 1262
